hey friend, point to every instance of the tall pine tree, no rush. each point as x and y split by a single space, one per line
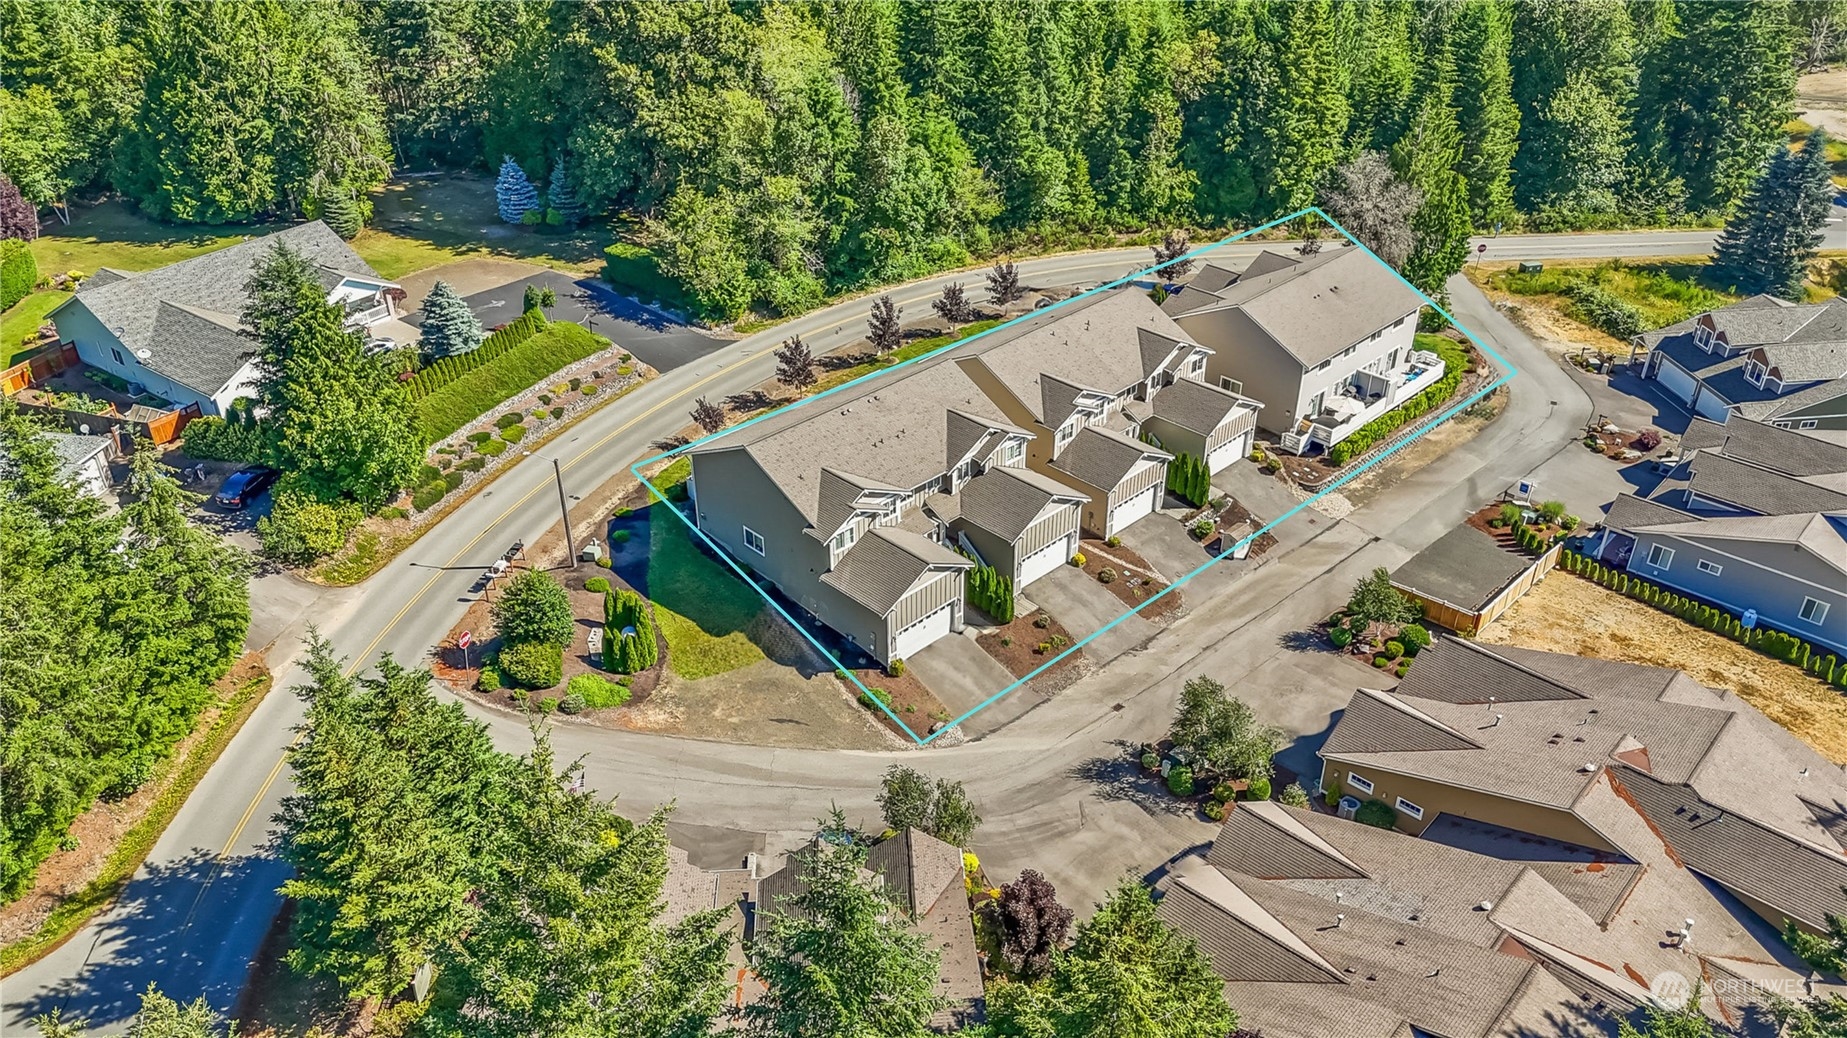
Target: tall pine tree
1779 225
1487 116
449 327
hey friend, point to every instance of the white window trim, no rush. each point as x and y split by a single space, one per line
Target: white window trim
1232 384
1410 809
1821 611
749 535
1808 423
1359 782
1012 452
1709 566
1667 557
1065 433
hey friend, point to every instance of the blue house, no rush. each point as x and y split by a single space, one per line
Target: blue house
174 331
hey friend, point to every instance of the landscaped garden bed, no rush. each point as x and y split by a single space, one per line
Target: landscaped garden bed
1524 528
1027 642
1118 568
907 697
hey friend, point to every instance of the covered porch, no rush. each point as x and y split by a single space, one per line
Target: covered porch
1367 394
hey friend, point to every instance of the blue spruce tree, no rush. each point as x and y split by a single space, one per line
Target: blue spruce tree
514 192
449 327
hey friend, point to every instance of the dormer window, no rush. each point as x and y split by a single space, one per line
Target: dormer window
1702 337
1754 373
1065 432
1196 366
1012 452
844 539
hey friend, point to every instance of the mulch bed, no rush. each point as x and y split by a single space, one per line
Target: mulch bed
1135 581
910 700
1612 445
1021 655
1504 535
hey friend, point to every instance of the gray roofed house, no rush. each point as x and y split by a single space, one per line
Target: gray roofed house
1326 341
175 329
1762 358
1537 742
1465 579
85 460
1003 447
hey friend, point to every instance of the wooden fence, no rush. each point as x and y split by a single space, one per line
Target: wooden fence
1470 620
38 367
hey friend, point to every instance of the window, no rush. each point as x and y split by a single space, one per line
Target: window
1359 782
1659 556
1198 363
1014 451
1323 365
842 540
753 540
117 354
1398 323
1065 432
1708 566
1808 423
1813 612
1409 808
1783 425
1235 385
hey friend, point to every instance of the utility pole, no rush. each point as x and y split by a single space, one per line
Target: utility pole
570 549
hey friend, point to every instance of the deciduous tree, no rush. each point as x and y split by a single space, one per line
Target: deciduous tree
1032 923
1004 282
1167 256
708 415
795 365
909 800
882 328
1221 730
1374 204
953 305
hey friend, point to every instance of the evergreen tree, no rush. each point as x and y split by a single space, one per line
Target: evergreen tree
537 299
341 213
450 328
1428 156
882 328
953 305
1305 118
1487 116
840 957
1779 225
18 217
1375 600
1574 79
514 194
1004 282
563 198
795 364
631 653
534 608
1375 205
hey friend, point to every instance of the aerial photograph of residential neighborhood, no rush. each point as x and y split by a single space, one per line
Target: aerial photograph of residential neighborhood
896 518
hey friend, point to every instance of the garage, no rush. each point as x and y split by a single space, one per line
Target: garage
1134 508
1045 560
1226 453
1712 405
1675 380
923 632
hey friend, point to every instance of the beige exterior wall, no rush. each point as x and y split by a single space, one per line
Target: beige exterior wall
1244 352
937 591
1436 798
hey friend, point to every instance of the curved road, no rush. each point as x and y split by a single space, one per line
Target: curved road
1049 784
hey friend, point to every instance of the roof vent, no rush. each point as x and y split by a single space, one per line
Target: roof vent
1590 767
1485 906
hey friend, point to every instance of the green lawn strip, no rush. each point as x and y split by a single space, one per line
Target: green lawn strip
506 376
21 323
394 255
113 235
70 915
702 607
908 351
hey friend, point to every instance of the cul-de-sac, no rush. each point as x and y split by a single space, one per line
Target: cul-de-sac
894 518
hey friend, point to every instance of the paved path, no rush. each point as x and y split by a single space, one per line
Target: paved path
1053 785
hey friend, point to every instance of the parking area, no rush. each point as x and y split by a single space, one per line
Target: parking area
959 672
1086 608
658 340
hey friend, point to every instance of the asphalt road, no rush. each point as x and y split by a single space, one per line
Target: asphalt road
1052 785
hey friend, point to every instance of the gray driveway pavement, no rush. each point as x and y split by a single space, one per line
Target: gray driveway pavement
1085 607
959 671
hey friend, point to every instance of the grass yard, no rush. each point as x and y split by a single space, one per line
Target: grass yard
908 351
112 235
421 222
454 405
1662 291
20 323
1834 150
703 609
1569 614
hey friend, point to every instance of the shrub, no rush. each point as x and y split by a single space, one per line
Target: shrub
1604 310
576 384
442 410
597 692
493 448
474 464
895 669
590 388
1202 528
1150 761
533 665
216 439
18 272
1511 514
872 698
1293 795
1078 560
1215 810
1456 363
571 705
299 529
619 537
428 495
557 412
508 420
1415 638
1552 511
1403 665
548 704
1106 575
545 399
599 585
1376 813
1259 788
1180 781
489 681
393 512
444 370
1394 649
1340 637
534 608
1113 541
628 655
1331 794
513 433
1224 792
1381 662
987 590
1005 641
1042 621
480 436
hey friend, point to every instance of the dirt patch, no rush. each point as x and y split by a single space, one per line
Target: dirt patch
1566 614
1017 645
1426 449
465 276
277 1002
763 704
1134 579
910 699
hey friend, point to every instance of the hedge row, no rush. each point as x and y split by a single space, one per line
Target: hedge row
990 592
504 377
445 370
1188 478
1455 363
632 267
1604 310
1777 645
217 439
18 272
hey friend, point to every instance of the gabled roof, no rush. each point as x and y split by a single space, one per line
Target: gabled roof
1823 536
882 567
926 875
1197 407
1805 361
1783 450
1005 501
1103 458
1378 722
1318 306
1463 568
1754 488
1261 839
1628 512
836 501
185 315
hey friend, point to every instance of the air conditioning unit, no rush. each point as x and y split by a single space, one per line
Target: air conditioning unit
1349 806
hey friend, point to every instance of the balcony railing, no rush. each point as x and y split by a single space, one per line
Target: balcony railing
367 318
1369 395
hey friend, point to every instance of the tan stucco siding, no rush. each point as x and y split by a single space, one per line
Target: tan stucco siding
1436 798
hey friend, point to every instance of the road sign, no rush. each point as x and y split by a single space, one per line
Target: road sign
467 639
1483 247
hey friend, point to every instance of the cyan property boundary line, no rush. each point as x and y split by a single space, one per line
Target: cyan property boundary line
1507 369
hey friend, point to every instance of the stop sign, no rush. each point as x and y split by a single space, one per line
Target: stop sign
467 639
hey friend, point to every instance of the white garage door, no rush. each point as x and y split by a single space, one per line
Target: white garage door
1046 559
1677 382
1711 406
1134 508
923 632
1228 452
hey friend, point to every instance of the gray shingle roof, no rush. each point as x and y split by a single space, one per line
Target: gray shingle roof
880 567
1096 343
1198 407
1768 410
1464 568
1805 361
186 314
1005 501
1102 458
1628 512
1316 307
1825 537
926 874
73 450
1378 723
1757 489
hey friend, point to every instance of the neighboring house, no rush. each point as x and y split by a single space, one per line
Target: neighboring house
1761 358
689 889
1465 580
1753 518
925 876
175 331
1543 743
85 460
1322 926
1325 341
1005 448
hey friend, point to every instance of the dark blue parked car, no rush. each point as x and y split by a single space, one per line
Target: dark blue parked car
244 486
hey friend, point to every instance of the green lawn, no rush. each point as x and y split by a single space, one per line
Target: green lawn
111 235
420 223
908 351
1663 291
703 609
21 323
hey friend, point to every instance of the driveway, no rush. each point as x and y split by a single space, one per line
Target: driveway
658 340
959 672
1085 607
